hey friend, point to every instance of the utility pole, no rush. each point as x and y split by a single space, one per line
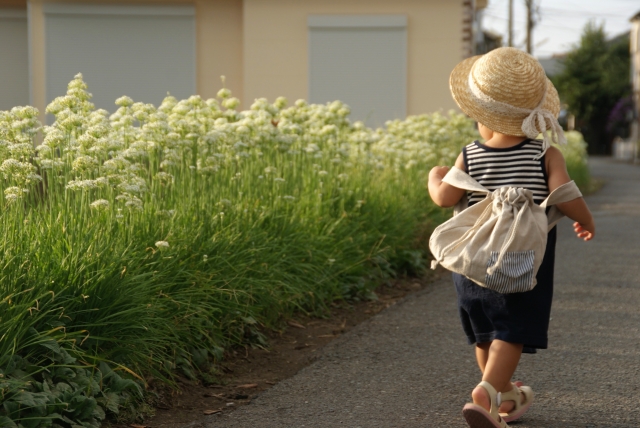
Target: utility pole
510 23
529 4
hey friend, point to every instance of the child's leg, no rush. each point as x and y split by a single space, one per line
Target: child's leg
500 360
482 354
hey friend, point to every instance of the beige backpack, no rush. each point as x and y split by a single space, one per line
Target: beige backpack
499 242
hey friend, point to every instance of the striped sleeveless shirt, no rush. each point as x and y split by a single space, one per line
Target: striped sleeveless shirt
512 166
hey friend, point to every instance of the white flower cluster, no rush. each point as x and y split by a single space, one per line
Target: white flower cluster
140 154
432 139
100 204
14 193
18 128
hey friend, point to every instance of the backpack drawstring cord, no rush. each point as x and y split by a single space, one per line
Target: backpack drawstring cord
510 237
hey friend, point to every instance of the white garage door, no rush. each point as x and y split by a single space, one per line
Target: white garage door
362 61
14 59
140 51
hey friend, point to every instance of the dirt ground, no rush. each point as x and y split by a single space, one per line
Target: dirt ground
245 373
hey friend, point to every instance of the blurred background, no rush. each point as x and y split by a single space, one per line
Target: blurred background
589 49
385 58
141 245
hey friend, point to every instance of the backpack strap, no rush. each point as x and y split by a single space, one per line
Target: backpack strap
460 179
565 193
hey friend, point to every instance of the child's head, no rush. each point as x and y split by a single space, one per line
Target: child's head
507 91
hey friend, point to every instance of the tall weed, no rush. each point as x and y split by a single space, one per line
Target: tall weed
149 240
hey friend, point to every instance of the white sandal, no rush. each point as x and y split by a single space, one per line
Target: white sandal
522 397
478 417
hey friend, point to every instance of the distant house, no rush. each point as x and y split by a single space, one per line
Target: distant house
553 65
385 58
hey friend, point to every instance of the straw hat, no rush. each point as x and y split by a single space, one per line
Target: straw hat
507 91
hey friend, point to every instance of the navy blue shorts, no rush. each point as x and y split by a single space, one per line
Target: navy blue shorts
518 317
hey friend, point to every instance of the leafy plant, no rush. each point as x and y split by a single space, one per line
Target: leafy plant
595 76
143 243
575 154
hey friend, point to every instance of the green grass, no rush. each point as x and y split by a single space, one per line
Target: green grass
146 242
575 154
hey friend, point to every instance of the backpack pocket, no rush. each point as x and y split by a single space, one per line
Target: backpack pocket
516 274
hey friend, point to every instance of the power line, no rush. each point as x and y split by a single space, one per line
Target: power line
544 25
623 12
565 14
560 19
517 21
570 13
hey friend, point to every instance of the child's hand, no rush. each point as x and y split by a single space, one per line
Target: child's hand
584 231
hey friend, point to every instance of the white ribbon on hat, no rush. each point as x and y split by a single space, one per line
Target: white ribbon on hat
538 121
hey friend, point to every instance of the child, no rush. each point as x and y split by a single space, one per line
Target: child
507 93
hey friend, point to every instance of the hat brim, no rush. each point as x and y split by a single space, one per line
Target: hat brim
505 124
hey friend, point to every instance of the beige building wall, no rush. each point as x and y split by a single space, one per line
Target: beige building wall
276 46
261 46
218 44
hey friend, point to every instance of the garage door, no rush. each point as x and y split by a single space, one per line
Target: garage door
361 60
140 51
14 59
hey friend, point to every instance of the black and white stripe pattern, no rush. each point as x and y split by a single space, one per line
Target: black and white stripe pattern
515 274
511 167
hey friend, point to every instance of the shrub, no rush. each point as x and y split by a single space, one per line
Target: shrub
147 241
575 155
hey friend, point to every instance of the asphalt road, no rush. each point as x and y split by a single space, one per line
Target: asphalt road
410 366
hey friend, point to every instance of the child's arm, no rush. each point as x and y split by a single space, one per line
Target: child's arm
577 209
443 194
